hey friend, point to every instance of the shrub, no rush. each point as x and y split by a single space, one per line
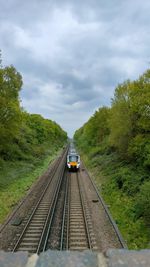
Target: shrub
142 206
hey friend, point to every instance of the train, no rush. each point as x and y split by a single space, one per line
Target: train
73 159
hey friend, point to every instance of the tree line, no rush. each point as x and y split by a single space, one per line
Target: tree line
23 136
124 129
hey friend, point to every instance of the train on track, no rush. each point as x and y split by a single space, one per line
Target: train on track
73 159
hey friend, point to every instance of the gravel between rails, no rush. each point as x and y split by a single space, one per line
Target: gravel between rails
56 226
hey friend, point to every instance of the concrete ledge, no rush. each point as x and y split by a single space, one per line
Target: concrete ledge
112 258
130 258
9 259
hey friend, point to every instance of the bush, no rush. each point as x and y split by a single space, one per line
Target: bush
139 149
142 206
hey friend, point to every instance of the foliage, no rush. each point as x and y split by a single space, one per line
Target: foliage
95 130
130 118
10 112
116 141
120 119
143 204
23 136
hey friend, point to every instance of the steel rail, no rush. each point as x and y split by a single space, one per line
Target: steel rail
84 213
47 227
68 213
121 240
64 215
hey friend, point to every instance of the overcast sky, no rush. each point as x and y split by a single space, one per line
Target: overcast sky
72 54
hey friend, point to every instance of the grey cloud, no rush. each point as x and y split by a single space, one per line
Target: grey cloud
72 54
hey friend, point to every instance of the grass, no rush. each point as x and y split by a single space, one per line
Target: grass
17 177
104 170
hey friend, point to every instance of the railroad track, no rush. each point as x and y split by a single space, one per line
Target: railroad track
36 227
80 235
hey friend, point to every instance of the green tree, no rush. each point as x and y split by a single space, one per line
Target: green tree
10 111
23 135
120 118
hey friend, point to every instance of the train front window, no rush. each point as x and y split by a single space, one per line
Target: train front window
73 158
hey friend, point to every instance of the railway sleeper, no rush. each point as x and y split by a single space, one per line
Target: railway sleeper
76 220
78 248
27 239
28 245
30 249
77 223
37 223
75 243
77 239
32 231
41 213
76 212
77 231
37 220
27 235
74 235
37 228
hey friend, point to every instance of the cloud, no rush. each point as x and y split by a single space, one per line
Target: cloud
72 54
